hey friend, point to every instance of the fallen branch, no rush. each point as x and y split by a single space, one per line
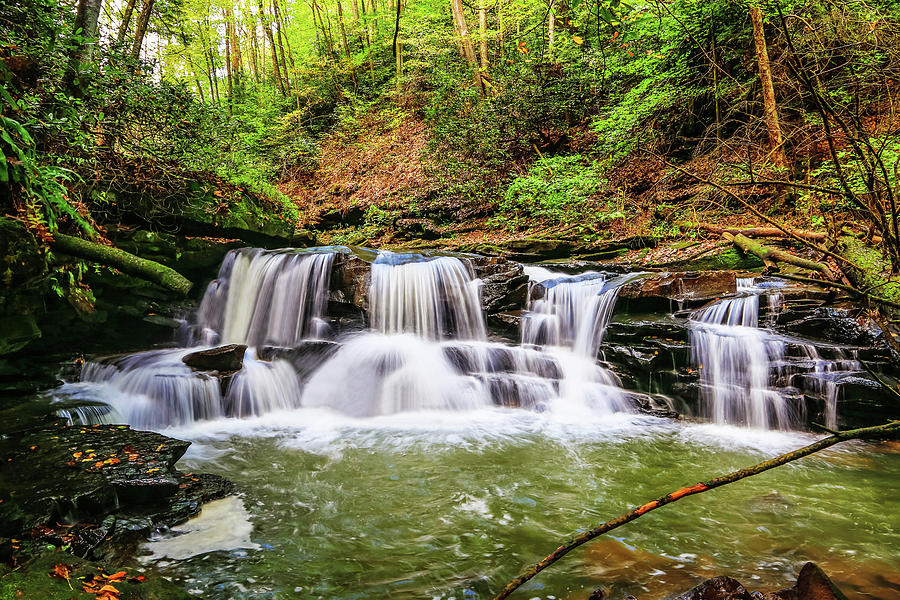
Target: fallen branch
771 255
840 286
888 430
753 210
123 261
756 231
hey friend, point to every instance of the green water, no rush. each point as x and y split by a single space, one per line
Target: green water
452 505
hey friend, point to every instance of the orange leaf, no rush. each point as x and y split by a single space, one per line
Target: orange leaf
117 576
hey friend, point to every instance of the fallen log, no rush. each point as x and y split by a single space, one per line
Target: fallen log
890 430
124 261
757 231
770 255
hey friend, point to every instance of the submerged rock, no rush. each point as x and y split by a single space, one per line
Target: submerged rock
225 359
718 588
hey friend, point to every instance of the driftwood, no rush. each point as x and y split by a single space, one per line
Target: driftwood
757 231
887 431
123 261
770 255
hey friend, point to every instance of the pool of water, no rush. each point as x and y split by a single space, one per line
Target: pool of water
453 504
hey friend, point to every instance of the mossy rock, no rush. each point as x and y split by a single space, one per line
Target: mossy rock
33 580
246 216
728 259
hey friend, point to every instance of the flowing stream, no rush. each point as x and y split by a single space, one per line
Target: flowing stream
420 457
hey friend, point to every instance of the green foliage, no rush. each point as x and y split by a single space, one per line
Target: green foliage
43 187
556 190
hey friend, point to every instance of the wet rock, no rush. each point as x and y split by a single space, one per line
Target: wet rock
842 325
353 215
538 249
224 359
692 286
504 283
305 357
814 584
718 588
85 486
350 278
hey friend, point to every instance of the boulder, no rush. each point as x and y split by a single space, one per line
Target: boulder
351 274
814 584
100 482
504 283
224 359
718 588
692 286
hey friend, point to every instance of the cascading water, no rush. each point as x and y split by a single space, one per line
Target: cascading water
436 298
156 389
574 311
265 297
734 357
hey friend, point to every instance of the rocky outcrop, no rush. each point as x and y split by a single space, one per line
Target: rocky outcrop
224 359
82 486
504 283
687 286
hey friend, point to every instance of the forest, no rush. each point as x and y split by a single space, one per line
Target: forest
351 242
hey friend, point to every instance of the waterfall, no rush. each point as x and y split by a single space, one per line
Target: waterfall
264 297
156 389
735 360
433 298
574 311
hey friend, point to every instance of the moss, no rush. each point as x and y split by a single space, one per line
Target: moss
728 259
874 273
33 580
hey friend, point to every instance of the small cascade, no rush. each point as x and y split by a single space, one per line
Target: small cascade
264 297
261 387
735 360
435 298
574 311
156 389
375 374
822 377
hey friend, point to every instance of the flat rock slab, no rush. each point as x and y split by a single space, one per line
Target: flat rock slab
79 485
685 286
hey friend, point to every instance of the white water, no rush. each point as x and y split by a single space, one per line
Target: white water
434 299
574 311
265 297
734 357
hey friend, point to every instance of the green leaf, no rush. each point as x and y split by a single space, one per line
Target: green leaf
4 169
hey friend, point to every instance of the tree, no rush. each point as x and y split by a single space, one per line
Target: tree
770 107
140 29
86 31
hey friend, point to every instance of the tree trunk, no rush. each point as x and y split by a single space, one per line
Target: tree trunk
344 31
468 50
354 10
267 28
765 76
140 29
482 22
124 261
86 21
551 31
126 21
284 68
770 255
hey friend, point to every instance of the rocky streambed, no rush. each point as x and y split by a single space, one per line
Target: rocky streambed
97 491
